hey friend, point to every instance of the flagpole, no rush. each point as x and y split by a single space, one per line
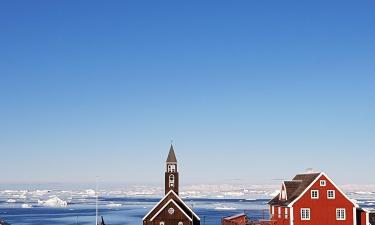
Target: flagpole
96 202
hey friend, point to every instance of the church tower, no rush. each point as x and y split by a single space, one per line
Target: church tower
171 173
171 209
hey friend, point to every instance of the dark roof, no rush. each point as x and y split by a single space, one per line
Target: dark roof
295 188
171 155
234 216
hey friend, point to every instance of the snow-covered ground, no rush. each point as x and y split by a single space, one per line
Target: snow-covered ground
61 198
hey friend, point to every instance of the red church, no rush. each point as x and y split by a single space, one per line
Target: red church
171 209
312 199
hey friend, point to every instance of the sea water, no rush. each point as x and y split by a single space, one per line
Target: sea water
130 210
123 211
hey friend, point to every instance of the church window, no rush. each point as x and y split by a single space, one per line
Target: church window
171 211
180 223
171 168
161 223
171 180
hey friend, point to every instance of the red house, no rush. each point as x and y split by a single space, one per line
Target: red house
312 199
238 219
366 217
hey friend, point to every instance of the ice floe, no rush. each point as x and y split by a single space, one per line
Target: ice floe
53 202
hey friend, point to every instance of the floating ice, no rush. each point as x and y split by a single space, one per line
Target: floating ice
225 208
11 201
53 202
26 205
112 204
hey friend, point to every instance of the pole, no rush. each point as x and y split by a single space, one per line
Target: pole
96 202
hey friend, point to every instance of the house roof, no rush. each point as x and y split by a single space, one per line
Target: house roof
234 216
171 156
295 188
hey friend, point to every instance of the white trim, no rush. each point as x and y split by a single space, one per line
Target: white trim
334 194
341 192
323 183
285 192
317 194
291 216
312 183
165 198
307 214
340 214
367 218
166 206
354 216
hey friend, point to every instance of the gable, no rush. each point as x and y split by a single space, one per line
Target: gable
171 204
315 185
294 188
171 195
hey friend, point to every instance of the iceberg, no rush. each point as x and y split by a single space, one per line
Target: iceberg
53 202
11 201
26 205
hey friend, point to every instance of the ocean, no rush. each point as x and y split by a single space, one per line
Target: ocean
130 210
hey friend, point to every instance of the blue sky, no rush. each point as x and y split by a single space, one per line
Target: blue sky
250 91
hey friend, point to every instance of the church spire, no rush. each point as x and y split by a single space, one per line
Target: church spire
171 156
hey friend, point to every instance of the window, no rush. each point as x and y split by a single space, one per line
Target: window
171 211
314 194
273 210
305 214
161 223
279 212
323 183
180 223
340 214
331 194
286 213
283 194
171 180
171 168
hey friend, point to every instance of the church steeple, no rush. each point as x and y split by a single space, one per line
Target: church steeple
171 173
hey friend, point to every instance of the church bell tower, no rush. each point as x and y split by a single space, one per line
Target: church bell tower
171 174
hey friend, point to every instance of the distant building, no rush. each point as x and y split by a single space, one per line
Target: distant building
312 199
171 209
366 217
239 219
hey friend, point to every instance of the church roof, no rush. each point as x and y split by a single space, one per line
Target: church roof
171 197
171 156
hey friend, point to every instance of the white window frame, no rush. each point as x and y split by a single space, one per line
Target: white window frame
340 214
171 168
334 194
286 213
323 183
317 194
305 213
180 223
161 223
279 212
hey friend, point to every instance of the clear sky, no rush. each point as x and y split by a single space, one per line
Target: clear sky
248 90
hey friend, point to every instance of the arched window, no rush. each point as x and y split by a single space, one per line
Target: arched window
171 180
180 223
161 223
